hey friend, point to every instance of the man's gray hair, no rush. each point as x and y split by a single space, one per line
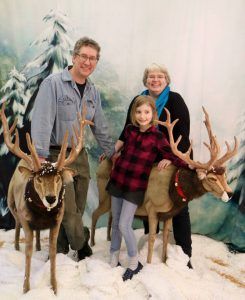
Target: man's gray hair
85 41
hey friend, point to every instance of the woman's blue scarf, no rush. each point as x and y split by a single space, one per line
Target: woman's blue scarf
161 100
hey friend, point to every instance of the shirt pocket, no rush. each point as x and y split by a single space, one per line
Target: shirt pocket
90 106
66 109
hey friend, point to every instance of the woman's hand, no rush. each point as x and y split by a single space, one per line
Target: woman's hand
163 164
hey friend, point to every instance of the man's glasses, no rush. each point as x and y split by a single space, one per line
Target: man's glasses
84 57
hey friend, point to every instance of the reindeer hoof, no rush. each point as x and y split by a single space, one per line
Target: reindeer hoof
26 289
189 265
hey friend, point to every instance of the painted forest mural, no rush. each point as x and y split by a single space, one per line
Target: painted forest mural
50 52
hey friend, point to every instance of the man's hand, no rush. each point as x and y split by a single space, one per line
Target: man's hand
42 159
163 164
102 157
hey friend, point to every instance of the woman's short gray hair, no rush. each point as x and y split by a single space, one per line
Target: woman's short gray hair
156 67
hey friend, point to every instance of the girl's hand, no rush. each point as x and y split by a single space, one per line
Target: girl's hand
114 158
163 164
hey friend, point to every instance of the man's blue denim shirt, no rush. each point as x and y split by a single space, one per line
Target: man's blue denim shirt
55 110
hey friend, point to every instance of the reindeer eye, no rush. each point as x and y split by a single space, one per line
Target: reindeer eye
214 179
39 180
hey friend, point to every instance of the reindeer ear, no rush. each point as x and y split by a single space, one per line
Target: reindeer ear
68 174
25 170
201 173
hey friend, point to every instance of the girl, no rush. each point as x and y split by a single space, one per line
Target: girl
129 177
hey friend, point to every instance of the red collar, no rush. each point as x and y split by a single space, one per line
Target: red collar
178 187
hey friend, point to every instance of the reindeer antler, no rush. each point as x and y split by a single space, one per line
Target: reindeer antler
32 160
229 153
75 150
213 147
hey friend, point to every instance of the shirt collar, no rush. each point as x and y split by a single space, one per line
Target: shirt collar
150 129
66 76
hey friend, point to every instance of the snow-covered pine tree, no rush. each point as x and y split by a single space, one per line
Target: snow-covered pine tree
56 46
232 229
237 166
57 50
16 101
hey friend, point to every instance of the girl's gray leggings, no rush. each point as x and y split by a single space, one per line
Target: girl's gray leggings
122 218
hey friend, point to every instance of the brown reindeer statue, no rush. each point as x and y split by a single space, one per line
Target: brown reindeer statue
171 189
36 191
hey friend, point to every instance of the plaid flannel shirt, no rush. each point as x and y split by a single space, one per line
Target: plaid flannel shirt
133 167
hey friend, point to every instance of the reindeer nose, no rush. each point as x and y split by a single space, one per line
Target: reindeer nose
50 199
230 194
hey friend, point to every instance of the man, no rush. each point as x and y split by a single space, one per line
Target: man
59 99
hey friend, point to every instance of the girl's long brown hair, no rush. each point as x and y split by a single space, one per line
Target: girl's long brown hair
140 100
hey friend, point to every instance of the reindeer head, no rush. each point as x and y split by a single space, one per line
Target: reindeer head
216 183
213 173
45 179
45 187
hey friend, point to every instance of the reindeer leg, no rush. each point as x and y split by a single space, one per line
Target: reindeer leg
28 252
38 244
102 176
13 210
167 224
152 217
17 235
109 227
53 235
101 209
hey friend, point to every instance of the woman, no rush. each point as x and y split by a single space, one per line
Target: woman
156 79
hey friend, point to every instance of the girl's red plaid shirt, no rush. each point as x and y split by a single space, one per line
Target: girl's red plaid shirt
141 149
